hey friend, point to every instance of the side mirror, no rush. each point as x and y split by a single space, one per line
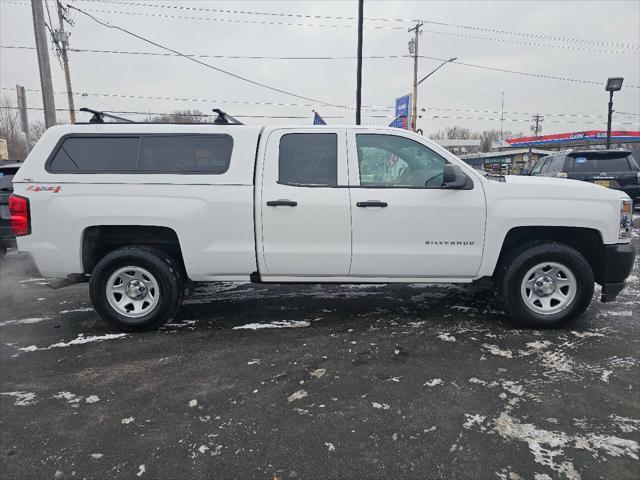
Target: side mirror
453 177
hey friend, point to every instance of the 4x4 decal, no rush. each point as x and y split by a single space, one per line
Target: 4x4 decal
44 188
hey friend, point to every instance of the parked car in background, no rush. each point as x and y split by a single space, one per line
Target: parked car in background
7 238
615 169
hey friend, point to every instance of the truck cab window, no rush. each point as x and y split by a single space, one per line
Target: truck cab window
308 159
394 161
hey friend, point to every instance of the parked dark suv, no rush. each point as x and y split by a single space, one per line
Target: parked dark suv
615 169
7 239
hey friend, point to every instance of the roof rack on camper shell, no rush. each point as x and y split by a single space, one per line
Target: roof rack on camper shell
222 118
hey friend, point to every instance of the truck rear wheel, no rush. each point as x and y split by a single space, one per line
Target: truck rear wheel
545 285
136 288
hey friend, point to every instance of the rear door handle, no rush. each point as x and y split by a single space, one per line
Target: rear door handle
281 203
372 203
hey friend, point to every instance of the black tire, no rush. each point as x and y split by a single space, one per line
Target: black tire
517 264
3 250
157 263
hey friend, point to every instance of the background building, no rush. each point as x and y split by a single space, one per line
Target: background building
507 162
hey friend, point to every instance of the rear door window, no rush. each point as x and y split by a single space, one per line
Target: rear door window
308 159
607 164
186 153
96 154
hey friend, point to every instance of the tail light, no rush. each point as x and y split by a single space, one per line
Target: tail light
20 215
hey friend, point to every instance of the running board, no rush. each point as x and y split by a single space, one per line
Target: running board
70 280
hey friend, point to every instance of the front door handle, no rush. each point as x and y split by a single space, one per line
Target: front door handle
281 203
372 203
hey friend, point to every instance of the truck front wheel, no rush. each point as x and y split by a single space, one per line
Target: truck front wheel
136 288
545 285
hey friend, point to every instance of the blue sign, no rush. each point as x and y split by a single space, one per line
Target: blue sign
403 106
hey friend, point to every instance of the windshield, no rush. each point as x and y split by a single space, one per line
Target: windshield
600 164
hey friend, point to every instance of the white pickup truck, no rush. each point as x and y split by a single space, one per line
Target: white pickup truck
140 209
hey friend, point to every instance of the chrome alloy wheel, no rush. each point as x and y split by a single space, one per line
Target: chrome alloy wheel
132 291
548 288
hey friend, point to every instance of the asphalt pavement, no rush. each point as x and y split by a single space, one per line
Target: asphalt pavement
314 382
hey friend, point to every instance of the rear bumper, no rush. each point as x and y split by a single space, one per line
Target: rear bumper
618 263
7 238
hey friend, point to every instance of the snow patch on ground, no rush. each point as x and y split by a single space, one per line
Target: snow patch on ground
604 376
447 337
127 421
79 340
92 399
24 321
538 345
382 406
548 446
86 309
557 361
495 350
474 419
433 382
297 395
319 372
330 446
141 470
23 399
587 334
274 324
625 424
68 396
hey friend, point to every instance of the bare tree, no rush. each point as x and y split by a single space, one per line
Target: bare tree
36 129
11 129
179 116
456 132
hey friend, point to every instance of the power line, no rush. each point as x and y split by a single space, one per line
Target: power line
308 105
437 32
377 57
404 20
436 117
226 72
379 27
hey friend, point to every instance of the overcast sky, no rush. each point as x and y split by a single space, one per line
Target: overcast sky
542 41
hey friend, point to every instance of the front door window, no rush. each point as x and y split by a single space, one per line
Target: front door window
393 161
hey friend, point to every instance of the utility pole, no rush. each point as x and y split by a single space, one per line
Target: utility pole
501 123
536 128
46 83
62 38
24 120
359 67
413 45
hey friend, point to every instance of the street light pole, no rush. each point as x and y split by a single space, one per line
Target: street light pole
609 119
437 68
359 65
613 85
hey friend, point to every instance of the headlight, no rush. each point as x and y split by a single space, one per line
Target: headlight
626 218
